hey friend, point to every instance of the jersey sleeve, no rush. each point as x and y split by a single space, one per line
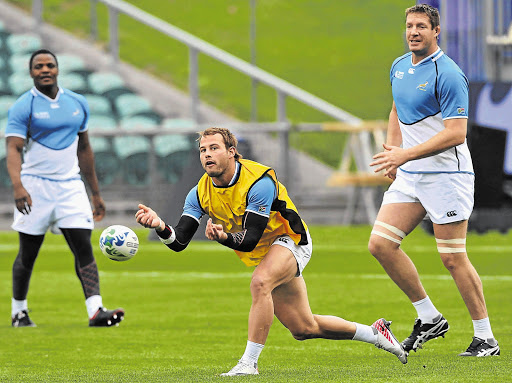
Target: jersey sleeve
453 95
261 196
18 117
192 208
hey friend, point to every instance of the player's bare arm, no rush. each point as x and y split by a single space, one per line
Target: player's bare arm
22 198
87 168
393 156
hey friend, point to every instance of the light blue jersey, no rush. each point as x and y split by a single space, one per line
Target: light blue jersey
260 199
50 127
425 94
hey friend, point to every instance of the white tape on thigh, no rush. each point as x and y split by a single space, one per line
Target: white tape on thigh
392 229
456 241
451 249
384 235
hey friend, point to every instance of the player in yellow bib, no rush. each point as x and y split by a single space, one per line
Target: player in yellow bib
250 212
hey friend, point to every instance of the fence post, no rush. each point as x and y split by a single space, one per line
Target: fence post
113 25
37 14
193 84
94 20
284 141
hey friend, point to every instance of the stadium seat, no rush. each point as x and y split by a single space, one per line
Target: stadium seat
138 123
4 89
18 63
170 123
19 83
134 154
4 176
70 63
74 82
173 151
103 82
23 43
99 105
99 122
5 103
107 163
131 104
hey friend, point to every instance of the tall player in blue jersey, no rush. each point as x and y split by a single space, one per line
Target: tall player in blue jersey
47 148
427 157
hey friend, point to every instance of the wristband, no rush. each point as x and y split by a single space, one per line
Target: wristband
167 236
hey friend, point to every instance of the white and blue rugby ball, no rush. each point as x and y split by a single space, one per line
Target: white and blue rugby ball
119 243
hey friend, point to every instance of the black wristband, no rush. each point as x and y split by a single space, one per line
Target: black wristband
165 233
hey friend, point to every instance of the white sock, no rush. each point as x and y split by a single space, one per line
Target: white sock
365 333
93 303
17 306
426 310
252 352
482 328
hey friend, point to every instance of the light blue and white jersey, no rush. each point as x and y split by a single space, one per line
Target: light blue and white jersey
260 198
50 127
425 94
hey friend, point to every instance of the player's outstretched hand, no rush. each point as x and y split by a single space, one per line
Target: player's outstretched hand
215 232
147 217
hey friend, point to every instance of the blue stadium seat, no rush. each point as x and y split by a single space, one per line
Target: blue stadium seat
173 152
170 123
70 63
138 123
23 43
106 161
19 83
99 105
103 82
74 82
134 154
4 88
5 104
4 176
18 63
131 104
99 122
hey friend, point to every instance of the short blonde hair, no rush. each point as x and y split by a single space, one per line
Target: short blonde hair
229 138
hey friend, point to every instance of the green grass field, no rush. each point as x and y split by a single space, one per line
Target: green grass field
186 317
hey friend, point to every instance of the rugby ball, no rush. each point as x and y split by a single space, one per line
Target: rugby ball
119 243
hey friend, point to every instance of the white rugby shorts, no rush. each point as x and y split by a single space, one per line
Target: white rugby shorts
55 204
447 197
302 253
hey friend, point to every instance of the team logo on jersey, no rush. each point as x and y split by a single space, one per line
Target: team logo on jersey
76 112
399 74
422 86
411 71
42 115
261 209
461 110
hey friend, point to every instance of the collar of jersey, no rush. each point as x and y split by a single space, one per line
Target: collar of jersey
36 93
234 179
434 56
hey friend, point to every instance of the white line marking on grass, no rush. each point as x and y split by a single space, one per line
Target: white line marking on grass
173 275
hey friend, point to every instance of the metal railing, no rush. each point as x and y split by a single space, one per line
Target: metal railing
195 46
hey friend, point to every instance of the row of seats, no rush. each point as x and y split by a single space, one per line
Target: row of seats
107 92
126 159
113 107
